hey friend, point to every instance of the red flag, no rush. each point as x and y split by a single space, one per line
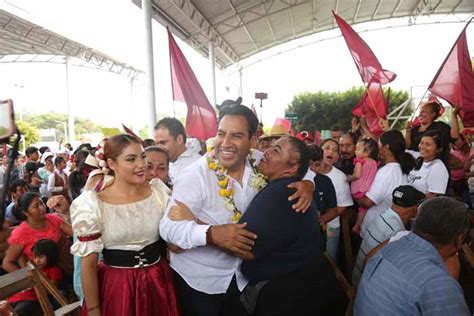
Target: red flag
372 106
454 81
368 65
201 120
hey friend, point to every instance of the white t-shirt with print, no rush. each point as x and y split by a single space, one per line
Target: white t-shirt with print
432 177
343 192
386 180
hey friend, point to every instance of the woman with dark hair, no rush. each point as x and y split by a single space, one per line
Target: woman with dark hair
32 177
286 254
38 225
330 219
118 214
430 175
58 183
430 111
397 164
78 177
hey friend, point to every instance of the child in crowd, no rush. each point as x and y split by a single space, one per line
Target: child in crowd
365 168
45 257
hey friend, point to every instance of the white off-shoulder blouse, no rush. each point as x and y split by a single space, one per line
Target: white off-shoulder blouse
130 226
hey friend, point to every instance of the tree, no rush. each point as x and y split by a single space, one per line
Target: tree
29 132
58 122
323 110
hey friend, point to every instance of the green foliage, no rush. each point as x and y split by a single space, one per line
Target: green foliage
143 132
322 110
29 132
57 121
110 131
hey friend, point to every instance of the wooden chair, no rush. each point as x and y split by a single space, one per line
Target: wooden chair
346 286
30 276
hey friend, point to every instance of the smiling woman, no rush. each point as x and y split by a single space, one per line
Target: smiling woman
119 215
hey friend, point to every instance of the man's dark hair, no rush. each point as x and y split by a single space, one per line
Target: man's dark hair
84 146
316 152
336 128
173 126
148 142
17 183
58 160
43 149
304 155
30 151
441 220
351 135
48 248
158 150
242 110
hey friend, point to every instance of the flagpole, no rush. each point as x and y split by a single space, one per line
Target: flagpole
441 67
372 101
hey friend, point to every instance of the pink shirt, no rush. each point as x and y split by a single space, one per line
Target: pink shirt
369 169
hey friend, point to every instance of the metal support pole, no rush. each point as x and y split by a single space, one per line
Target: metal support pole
241 90
70 114
212 59
149 70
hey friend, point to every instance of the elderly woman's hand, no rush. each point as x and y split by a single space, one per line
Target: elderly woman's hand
304 194
408 125
59 203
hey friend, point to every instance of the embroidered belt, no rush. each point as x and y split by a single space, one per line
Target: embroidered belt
145 257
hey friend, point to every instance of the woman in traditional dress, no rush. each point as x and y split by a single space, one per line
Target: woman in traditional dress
118 214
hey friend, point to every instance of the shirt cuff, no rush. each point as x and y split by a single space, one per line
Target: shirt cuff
199 235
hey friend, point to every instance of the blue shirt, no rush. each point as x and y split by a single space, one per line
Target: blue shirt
382 228
409 277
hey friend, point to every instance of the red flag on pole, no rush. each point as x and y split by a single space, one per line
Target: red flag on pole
368 65
372 106
454 81
201 120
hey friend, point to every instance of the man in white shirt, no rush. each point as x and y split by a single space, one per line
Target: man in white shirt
405 200
209 278
171 136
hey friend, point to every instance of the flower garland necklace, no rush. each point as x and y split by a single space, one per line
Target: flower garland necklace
226 183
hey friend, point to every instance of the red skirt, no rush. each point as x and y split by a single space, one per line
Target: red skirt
137 291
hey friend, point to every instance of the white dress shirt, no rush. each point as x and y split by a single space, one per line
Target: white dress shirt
184 160
204 268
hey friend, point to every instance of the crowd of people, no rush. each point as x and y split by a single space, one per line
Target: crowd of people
248 223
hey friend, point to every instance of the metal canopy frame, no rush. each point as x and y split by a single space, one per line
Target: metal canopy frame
242 28
23 41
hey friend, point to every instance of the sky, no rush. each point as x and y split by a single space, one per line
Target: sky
320 62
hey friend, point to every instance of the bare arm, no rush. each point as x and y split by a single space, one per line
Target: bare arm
357 172
66 229
90 283
408 127
374 251
332 213
454 123
365 202
12 257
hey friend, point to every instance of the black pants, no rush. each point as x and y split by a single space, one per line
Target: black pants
196 303
302 292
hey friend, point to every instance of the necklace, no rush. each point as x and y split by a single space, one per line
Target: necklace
226 183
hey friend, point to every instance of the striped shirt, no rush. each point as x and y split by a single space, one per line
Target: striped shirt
409 277
382 228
